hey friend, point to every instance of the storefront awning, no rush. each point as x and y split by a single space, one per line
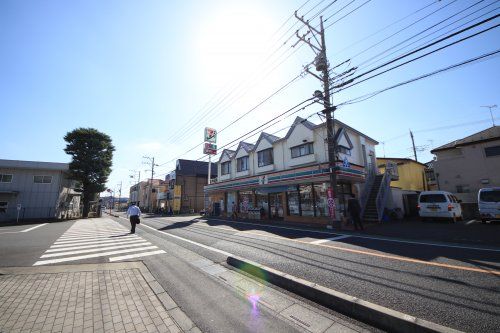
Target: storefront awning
274 189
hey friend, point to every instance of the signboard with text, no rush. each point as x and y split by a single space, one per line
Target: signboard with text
209 148
210 135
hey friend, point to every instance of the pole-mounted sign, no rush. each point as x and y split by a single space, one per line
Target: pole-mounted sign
210 135
209 148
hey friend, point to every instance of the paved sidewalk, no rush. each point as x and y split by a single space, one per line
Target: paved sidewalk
117 297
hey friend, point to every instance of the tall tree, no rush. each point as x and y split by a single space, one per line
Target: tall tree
92 153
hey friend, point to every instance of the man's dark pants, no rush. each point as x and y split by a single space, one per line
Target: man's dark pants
357 222
133 222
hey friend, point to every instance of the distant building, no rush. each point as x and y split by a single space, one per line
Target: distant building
141 194
464 166
38 190
185 186
409 180
411 174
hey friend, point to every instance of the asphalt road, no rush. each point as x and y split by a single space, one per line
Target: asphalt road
455 286
210 304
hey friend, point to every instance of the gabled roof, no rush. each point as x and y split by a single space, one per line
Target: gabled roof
297 121
489 134
341 124
246 146
269 137
398 160
227 152
342 132
193 168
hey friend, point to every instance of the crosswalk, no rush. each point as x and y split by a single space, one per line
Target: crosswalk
94 238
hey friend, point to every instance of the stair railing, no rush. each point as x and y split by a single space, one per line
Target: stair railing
369 180
382 194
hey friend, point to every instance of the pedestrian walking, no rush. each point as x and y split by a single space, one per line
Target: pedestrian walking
134 214
354 209
234 214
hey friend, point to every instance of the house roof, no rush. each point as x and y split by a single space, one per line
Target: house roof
230 154
397 159
16 164
245 145
489 134
298 120
341 124
193 168
269 137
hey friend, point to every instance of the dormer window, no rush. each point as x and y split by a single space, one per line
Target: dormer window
225 168
344 150
242 164
302 150
265 157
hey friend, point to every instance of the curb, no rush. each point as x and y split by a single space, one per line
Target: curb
365 311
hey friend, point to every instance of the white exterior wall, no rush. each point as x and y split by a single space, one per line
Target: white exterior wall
241 153
37 200
467 166
300 135
264 144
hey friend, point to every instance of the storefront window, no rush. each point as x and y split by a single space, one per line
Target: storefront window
344 191
306 200
320 191
263 203
245 200
293 202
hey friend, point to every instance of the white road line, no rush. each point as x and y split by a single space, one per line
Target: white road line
94 255
190 241
320 241
93 242
88 237
134 241
83 239
69 253
33 228
371 237
138 255
92 232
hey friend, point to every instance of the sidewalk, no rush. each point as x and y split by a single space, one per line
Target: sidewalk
114 297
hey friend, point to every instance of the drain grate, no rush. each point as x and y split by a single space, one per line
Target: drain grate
300 321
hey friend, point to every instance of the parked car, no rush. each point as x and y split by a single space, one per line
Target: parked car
439 204
488 201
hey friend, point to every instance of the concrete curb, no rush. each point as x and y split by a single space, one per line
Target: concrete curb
364 311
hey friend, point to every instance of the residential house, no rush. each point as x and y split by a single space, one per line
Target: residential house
409 180
37 190
141 194
288 178
465 165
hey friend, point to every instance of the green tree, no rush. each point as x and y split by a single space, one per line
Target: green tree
92 153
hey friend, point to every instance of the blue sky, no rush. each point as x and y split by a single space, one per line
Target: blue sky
147 72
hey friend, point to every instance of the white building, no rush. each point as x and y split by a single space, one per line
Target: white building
288 178
36 190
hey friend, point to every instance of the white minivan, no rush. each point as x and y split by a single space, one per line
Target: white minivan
488 201
439 204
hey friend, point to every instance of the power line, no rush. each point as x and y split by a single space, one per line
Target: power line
343 86
426 29
463 63
435 38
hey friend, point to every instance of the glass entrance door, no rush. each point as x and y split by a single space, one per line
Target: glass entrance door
276 206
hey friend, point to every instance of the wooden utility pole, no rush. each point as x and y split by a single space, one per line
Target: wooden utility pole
321 63
413 144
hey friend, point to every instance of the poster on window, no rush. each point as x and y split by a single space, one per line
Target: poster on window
331 203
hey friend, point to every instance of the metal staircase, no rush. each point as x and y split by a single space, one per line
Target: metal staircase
370 213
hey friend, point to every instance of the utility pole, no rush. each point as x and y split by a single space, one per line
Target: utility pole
150 201
321 63
138 185
413 143
491 113
119 196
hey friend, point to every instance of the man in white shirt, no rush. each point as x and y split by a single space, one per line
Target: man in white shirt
134 213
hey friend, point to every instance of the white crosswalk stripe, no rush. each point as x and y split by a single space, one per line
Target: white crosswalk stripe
94 238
